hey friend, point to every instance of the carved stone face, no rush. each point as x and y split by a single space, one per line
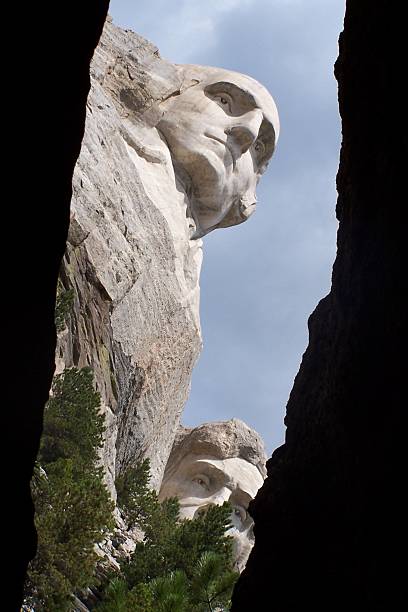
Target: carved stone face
221 131
200 481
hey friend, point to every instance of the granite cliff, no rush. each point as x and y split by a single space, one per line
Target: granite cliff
170 153
130 262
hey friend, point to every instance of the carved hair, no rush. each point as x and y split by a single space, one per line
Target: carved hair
221 440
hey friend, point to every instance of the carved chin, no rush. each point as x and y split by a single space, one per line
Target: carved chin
247 209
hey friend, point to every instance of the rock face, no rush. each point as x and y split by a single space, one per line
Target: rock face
214 463
129 258
329 518
170 153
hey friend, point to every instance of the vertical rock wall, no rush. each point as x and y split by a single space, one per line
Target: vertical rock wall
129 259
329 518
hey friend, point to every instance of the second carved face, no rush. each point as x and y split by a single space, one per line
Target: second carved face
201 481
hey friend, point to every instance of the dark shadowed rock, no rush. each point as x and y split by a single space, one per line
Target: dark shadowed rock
46 78
329 519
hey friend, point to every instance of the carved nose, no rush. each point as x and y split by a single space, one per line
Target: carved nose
221 496
244 133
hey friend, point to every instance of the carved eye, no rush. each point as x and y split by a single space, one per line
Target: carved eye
240 513
224 100
202 481
259 147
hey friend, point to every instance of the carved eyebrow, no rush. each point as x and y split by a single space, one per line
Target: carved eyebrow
241 498
240 95
212 470
267 135
247 102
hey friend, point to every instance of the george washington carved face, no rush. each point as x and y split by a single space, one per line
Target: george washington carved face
221 131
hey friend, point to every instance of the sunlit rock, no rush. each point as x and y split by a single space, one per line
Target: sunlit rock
215 463
170 153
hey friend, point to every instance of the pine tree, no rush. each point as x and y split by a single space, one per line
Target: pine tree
73 507
136 499
176 557
212 584
63 305
170 593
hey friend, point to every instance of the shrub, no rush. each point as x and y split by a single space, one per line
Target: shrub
73 506
63 305
180 565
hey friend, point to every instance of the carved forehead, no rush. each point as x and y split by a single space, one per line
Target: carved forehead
238 471
219 440
207 75
234 472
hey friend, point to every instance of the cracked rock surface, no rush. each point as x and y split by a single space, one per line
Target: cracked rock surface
130 261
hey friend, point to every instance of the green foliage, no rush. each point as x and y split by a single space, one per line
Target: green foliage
141 599
64 301
209 589
155 556
118 598
175 564
134 496
73 426
212 583
171 545
73 507
204 533
170 592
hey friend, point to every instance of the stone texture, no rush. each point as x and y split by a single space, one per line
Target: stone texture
222 440
221 129
330 516
353 372
130 261
213 463
169 154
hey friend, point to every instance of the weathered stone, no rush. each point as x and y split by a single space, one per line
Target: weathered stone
169 154
214 463
130 260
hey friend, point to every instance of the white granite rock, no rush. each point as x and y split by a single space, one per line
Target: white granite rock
214 463
129 257
169 154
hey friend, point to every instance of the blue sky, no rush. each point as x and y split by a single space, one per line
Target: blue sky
262 279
